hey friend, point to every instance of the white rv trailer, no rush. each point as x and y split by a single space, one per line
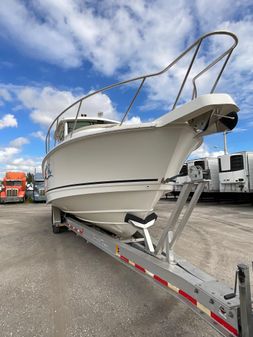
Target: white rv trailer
236 174
210 168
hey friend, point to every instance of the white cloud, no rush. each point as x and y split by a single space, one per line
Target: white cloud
110 36
99 103
133 120
8 153
126 38
39 134
39 36
5 94
19 142
24 164
11 158
8 121
45 103
240 129
204 151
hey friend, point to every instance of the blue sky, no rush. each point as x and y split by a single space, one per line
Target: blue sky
54 51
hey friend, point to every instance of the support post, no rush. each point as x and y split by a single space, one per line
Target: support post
169 251
174 216
245 301
176 213
187 213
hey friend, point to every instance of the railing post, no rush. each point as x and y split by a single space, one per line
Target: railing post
133 100
77 114
186 75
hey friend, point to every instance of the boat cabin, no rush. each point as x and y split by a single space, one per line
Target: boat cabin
66 125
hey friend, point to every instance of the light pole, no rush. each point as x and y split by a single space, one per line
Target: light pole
225 141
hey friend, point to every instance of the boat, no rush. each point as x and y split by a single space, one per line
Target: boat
104 171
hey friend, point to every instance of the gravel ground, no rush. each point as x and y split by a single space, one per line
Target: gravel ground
60 286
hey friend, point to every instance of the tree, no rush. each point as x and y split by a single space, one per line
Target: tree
29 177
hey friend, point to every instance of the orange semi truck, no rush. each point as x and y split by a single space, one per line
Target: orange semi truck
13 187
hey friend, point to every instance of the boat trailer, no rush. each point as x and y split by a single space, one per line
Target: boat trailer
228 311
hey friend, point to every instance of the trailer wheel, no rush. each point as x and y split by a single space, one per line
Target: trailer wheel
56 229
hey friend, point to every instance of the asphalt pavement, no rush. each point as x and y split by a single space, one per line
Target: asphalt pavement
57 285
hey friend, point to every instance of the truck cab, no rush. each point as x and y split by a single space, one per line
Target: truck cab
14 187
38 188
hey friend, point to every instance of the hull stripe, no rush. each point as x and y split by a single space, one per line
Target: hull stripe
105 182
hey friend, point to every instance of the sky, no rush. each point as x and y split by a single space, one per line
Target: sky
52 52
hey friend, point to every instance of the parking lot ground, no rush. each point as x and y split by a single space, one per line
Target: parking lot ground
60 286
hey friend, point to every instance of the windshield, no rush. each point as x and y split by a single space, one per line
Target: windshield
39 184
14 183
83 123
66 127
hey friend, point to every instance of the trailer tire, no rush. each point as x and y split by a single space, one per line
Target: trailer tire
59 228
56 229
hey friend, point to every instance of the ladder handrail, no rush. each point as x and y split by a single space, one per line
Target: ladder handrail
143 78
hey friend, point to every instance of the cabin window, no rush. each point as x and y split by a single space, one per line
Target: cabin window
79 124
236 163
60 132
66 127
200 163
184 171
14 183
83 123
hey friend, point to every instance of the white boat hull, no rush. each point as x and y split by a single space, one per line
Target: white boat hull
101 177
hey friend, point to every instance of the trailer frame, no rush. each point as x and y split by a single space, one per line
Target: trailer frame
226 310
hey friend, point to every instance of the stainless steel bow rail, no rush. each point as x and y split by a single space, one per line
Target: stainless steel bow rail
195 47
229 311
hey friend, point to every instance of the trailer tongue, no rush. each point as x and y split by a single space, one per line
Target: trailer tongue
229 311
